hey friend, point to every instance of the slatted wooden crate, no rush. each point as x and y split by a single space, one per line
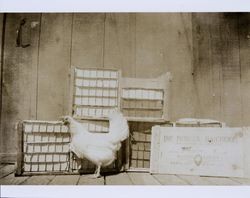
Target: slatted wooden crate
137 102
95 92
139 145
44 148
140 139
145 99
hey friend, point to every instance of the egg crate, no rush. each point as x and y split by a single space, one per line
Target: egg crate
145 99
140 141
138 157
143 103
44 148
95 92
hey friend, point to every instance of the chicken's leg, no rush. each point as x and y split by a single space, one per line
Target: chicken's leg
97 172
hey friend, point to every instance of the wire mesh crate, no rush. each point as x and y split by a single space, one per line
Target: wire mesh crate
95 92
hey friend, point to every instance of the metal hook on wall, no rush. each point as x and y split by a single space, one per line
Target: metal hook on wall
19 35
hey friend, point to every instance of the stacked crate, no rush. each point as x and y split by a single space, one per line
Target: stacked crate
43 147
95 93
141 103
145 103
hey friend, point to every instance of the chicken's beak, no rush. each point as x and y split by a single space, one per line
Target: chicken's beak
62 118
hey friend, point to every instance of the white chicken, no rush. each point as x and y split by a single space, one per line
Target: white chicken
99 148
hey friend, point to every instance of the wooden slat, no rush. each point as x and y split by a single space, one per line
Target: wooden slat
12 180
39 180
65 180
221 181
119 179
6 170
19 77
54 65
170 180
194 180
87 180
142 179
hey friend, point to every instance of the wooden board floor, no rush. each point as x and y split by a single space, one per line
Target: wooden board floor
7 177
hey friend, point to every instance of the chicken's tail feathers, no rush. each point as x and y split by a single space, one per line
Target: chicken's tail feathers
118 127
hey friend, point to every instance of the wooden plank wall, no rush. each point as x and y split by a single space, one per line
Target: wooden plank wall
221 67
207 55
19 79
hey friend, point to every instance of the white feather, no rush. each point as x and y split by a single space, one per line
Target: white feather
99 148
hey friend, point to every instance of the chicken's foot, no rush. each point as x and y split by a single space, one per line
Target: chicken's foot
97 172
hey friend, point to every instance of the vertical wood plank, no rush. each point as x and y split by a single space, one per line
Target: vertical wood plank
231 98
119 43
216 50
202 68
2 32
151 43
19 77
88 40
217 67
19 148
54 66
244 37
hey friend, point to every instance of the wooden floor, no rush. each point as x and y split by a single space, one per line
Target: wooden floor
126 178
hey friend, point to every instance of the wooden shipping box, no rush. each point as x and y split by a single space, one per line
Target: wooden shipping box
206 151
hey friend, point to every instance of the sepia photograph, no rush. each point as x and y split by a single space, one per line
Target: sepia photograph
125 98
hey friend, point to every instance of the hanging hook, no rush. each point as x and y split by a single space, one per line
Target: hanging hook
19 35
